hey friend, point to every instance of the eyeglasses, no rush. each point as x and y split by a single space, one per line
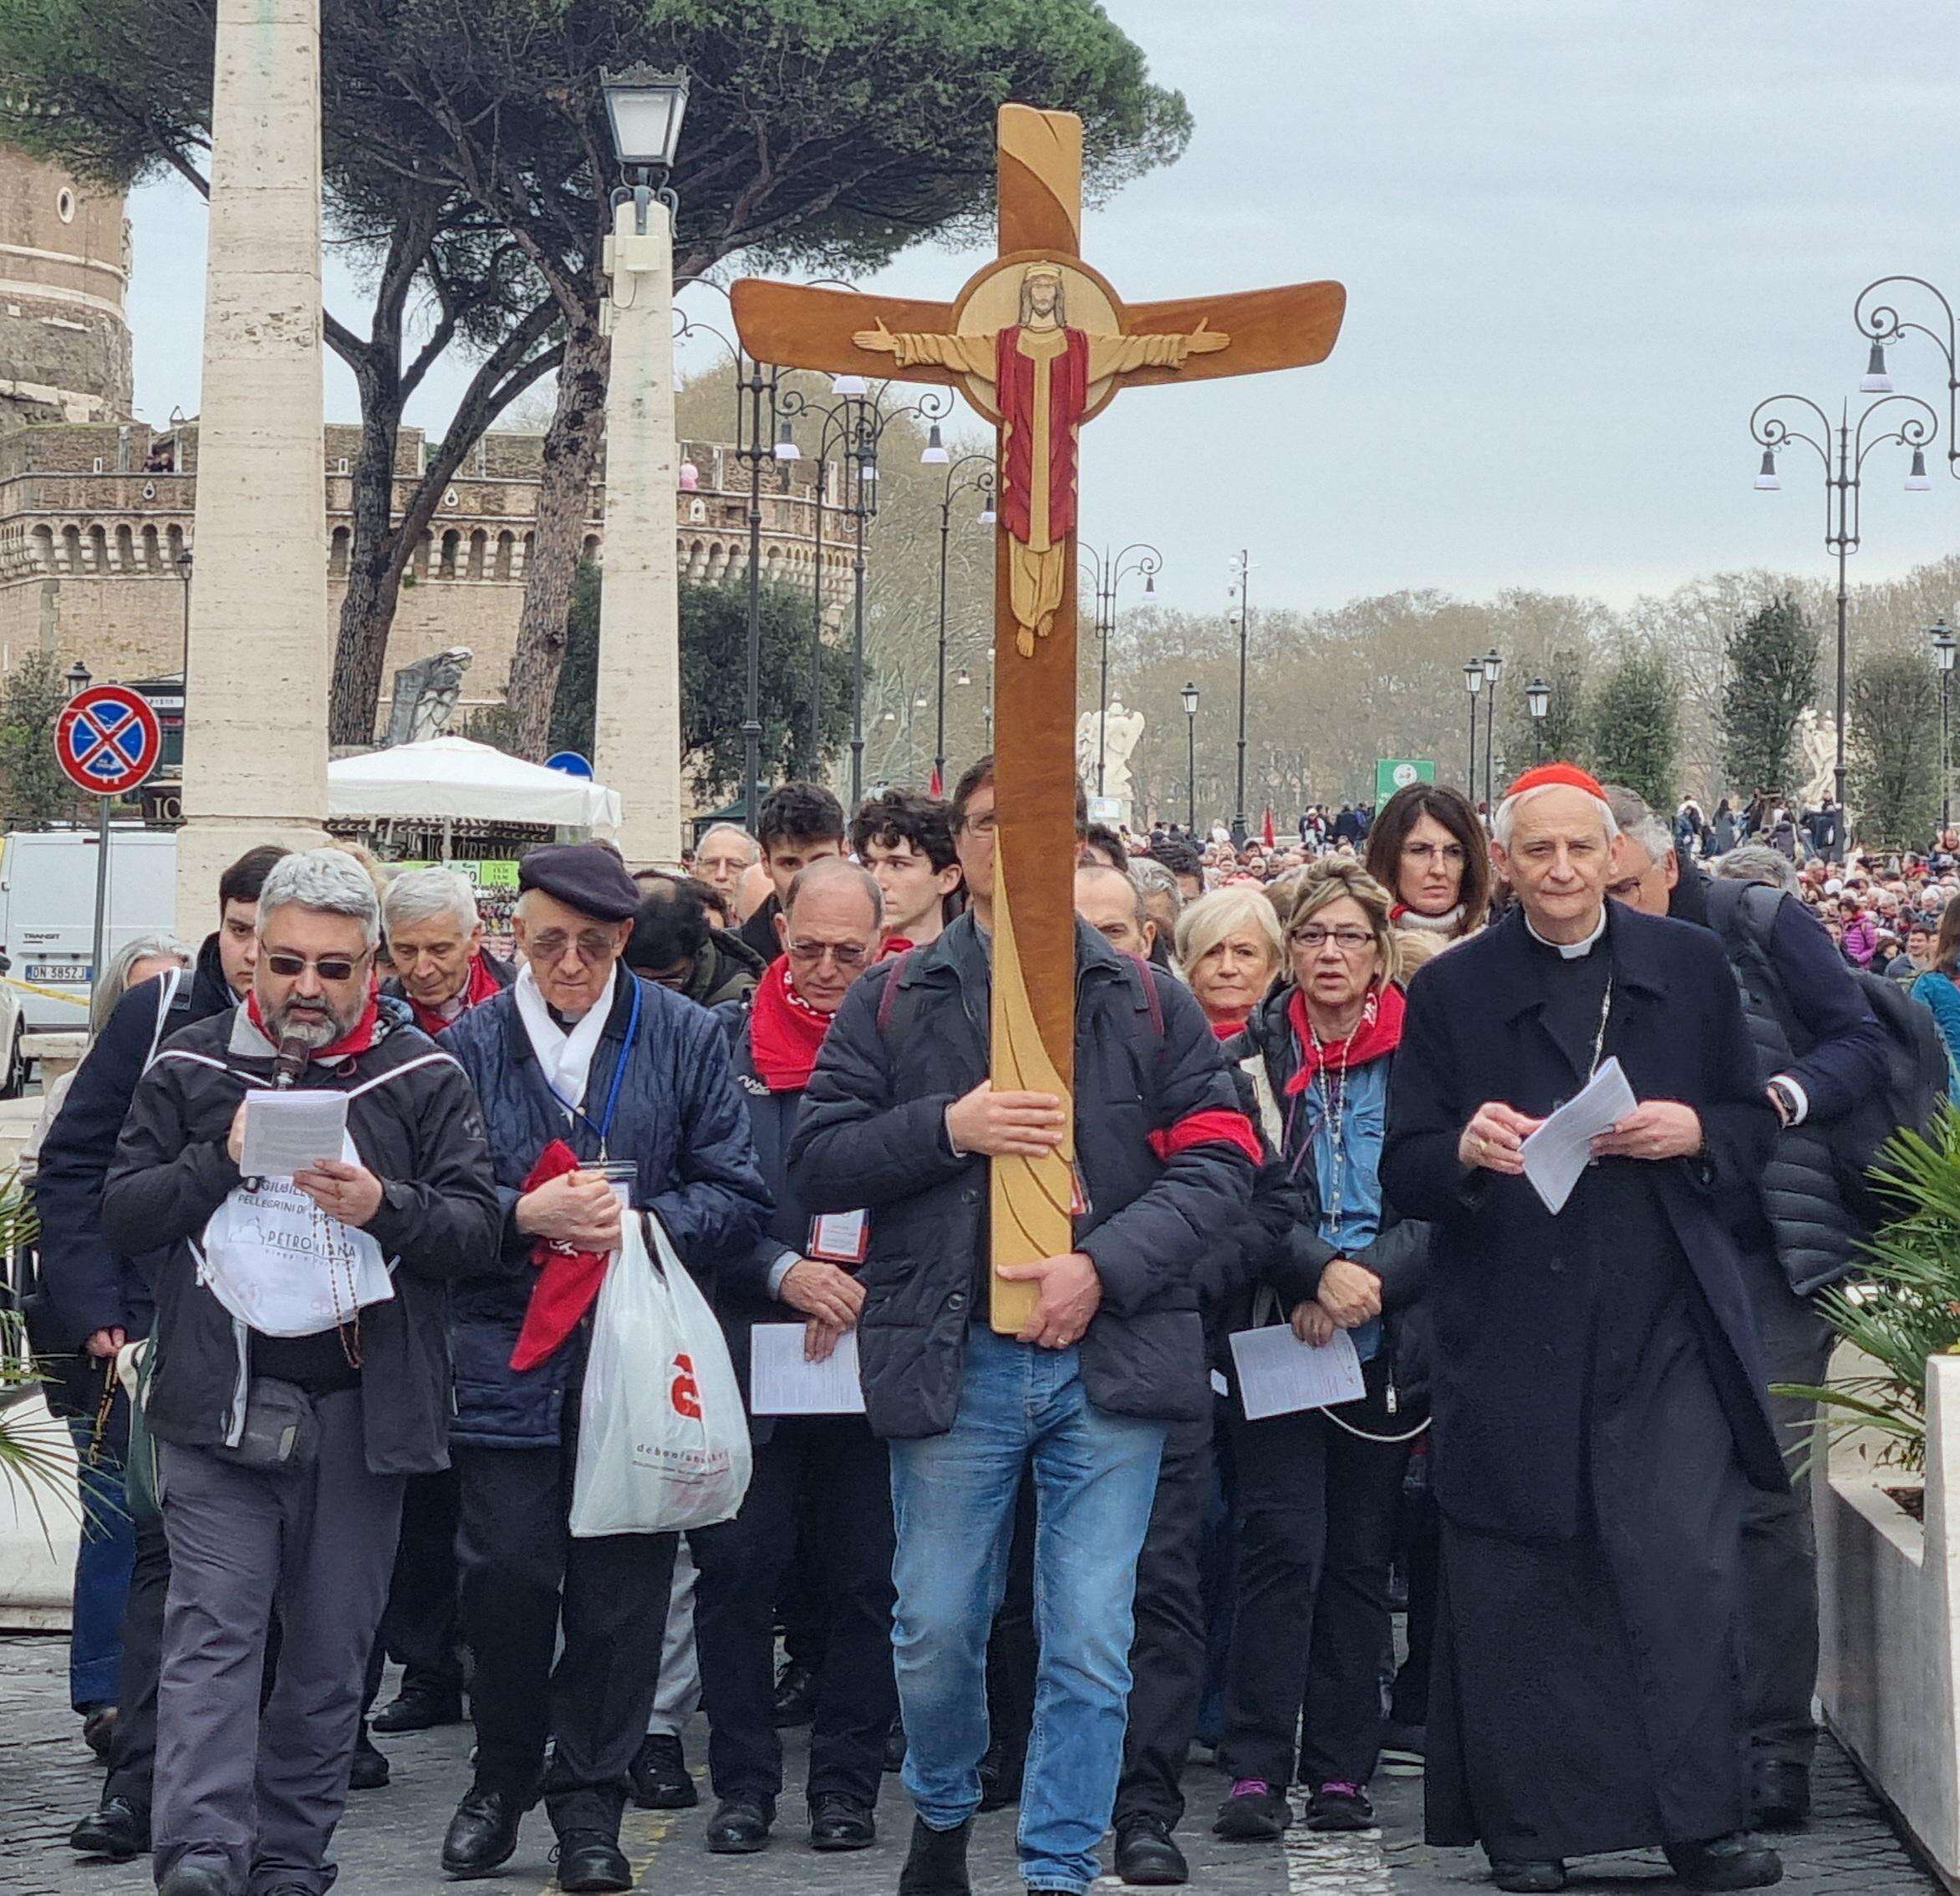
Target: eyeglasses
982 824
328 967
1423 852
1349 941
589 945
846 955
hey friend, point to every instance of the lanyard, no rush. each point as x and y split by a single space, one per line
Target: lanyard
600 1127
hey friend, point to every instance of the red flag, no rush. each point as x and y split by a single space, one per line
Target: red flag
1267 832
937 786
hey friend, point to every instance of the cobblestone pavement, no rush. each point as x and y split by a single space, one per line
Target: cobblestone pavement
388 1844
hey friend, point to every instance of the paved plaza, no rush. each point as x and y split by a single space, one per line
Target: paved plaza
388 1843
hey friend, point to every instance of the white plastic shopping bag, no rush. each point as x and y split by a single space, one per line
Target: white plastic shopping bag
663 1438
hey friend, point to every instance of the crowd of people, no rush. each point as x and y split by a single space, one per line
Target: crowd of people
1042 1564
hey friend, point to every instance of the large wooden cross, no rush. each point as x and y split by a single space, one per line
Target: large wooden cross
1039 342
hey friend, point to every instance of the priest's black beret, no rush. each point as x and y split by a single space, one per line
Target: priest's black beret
582 876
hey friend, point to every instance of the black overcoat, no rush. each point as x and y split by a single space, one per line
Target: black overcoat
1513 1305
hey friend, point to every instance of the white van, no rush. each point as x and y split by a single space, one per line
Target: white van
48 917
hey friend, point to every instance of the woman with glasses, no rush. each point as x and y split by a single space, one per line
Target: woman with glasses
1429 850
1317 1490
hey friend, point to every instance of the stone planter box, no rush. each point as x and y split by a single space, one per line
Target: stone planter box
1889 1675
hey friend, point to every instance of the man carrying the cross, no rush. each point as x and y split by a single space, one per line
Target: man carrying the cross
899 1120
1599 1415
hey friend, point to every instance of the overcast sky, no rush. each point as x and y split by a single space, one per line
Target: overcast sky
1580 241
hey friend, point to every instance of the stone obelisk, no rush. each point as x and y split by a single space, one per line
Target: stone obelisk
255 734
636 738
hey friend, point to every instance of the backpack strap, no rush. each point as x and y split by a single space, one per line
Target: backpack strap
1146 976
166 998
887 997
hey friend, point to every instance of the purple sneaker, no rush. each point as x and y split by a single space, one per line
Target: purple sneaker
1254 1812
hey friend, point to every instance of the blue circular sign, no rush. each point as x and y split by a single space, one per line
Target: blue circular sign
570 762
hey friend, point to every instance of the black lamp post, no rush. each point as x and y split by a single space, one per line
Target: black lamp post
1943 647
981 483
1884 326
1492 669
1474 684
1241 571
1190 697
1538 702
851 428
1105 572
1841 451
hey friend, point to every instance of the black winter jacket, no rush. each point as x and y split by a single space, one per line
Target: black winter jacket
680 1118
421 1134
873 1134
86 1284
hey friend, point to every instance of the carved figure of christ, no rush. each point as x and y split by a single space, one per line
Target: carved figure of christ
1039 343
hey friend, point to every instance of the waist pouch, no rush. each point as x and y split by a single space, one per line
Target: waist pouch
281 1428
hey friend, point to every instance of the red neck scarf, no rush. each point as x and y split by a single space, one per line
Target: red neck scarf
1378 1031
479 987
1228 1030
358 1038
786 1033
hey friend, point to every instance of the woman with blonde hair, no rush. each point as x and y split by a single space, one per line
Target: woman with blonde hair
1314 1509
1229 946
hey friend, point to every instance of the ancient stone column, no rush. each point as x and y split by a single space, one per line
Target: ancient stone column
637 731
254 735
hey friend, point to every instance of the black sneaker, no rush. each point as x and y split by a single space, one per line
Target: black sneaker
659 1777
1340 1806
370 1770
1255 1814
1737 1861
1404 1748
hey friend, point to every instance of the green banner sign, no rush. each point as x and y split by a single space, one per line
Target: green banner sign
1397 773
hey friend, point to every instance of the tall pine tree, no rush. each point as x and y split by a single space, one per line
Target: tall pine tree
1893 742
1772 677
1635 731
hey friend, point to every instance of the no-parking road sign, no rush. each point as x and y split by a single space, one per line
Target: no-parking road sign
107 739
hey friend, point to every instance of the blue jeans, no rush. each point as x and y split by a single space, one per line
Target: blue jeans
953 1501
106 1552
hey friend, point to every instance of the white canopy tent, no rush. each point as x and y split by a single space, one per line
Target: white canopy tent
453 779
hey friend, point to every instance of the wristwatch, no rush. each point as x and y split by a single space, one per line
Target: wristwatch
1783 1096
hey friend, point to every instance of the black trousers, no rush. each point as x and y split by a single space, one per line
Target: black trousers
524 1578
1315 1519
1419 1543
1778 1534
1168 1651
823 1481
418 1627
132 1757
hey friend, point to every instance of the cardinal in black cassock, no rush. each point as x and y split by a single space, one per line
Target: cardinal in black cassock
1599 1408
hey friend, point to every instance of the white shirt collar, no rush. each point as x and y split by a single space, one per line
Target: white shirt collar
1572 951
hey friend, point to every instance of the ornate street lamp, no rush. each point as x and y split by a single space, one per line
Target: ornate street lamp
1538 702
1474 684
1190 694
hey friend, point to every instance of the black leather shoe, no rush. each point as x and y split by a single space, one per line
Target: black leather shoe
193 1879
1737 1861
418 1711
740 1825
842 1823
1539 1879
795 1696
482 1833
1146 1857
936 1863
1781 1795
660 1777
118 1830
589 1859
369 1769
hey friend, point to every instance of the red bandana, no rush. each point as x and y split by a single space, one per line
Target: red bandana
358 1039
1379 1033
567 1282
480 986
786 1033
1227 1030
1542 776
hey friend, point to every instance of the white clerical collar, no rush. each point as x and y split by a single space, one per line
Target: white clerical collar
1572 951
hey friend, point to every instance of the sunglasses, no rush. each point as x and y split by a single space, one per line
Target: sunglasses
329 967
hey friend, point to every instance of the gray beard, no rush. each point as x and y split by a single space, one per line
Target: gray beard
311 1027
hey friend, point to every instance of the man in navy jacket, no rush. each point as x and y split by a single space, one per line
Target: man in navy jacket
579 1050
899 1118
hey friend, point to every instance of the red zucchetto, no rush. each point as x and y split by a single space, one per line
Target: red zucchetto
1542 776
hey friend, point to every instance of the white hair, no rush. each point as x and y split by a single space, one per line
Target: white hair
115 980
328 881
1637 822
421 894
1503 825
1756 862
714 829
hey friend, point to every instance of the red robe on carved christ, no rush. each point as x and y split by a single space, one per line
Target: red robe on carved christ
1068 396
